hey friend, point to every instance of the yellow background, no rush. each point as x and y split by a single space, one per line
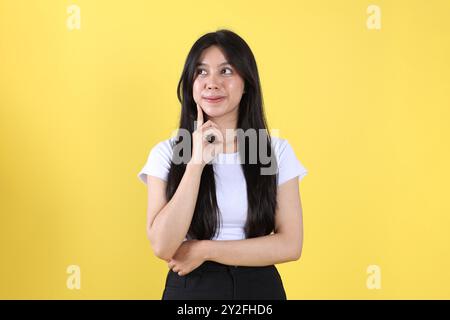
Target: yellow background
367 112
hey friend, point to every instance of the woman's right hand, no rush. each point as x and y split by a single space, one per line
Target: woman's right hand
204 151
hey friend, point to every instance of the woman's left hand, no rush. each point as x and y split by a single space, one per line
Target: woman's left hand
189 256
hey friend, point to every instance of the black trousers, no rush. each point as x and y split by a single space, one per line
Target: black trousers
216 281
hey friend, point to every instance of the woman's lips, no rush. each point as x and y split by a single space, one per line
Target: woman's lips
213 99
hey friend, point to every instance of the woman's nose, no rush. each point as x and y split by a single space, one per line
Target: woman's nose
212 82
211 86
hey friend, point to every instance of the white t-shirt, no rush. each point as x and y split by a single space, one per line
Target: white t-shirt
231 190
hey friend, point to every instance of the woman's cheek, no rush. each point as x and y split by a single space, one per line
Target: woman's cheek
236 87
235 92
196 91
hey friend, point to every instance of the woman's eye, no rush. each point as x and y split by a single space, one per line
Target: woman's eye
200 71
231 71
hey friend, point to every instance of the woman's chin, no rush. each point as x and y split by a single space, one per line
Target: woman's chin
214 111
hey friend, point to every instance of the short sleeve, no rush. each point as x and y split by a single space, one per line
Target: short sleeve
158 162
288 164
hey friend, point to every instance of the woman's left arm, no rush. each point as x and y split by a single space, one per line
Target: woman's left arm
284 245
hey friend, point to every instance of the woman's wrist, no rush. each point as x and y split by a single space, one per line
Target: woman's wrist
194 170
194 166
206 249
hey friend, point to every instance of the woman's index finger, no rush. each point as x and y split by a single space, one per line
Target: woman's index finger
199 116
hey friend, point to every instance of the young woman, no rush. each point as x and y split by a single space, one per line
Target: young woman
218 221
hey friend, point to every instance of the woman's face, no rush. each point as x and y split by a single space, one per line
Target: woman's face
215 78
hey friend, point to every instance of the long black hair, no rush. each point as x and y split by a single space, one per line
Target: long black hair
261 189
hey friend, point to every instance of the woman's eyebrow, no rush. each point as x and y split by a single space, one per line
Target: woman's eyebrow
205 64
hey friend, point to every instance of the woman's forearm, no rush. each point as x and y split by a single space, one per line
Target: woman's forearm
172 223
260 251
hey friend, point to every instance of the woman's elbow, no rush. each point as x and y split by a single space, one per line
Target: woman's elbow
162 254
158 250
296 254
293 247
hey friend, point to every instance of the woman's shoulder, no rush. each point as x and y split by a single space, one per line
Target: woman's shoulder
277 140
158 161
278 144
164 147
289 165
284 152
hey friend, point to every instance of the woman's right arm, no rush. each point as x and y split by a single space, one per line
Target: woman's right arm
169 222
167 228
